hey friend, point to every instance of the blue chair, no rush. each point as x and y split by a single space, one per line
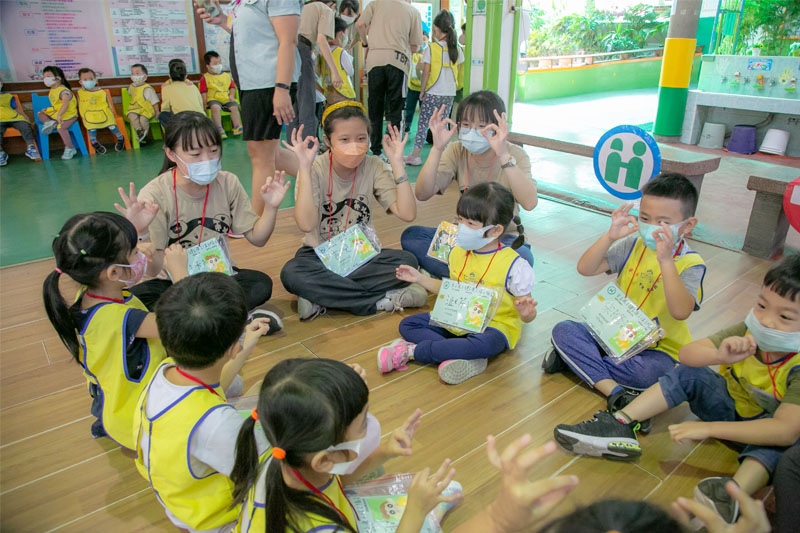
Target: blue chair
40 103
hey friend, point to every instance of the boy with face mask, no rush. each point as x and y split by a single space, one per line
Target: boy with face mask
754 398
657 271
219 93
144 103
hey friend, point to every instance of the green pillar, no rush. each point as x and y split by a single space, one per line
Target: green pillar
492 40
512 80
468 49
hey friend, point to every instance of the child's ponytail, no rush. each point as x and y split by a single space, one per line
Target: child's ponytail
245 467
86 245
445 22
520 240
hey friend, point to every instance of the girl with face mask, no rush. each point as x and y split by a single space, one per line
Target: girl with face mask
197 201
108 331
334 191
315 414
481 153
479 258
63 110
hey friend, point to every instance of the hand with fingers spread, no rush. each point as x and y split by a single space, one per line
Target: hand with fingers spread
400 441
735 349
438 125
208 19
424 494
394 143
526 307
497 134
304 148
752 517
622 223
139 212
274 189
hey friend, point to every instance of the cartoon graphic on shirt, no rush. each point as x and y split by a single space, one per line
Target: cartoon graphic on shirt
359 212
184 231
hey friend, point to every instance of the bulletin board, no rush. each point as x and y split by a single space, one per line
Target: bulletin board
106 35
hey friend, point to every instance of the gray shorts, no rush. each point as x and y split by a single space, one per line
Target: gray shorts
225 107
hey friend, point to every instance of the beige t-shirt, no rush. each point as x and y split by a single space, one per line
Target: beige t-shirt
455 165
228 209
316 18
394 26
372 178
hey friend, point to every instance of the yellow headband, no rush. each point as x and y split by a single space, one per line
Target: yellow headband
339 105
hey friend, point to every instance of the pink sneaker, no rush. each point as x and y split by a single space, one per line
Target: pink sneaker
394 356
455 371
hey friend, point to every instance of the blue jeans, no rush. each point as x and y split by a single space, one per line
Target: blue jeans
437 345
707 394
586 358
417 240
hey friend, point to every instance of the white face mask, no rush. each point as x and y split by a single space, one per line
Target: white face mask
49 81
362 447
347 20
138 79
216 69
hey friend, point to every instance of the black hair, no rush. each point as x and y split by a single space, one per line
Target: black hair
177 70
144 68
491 203
676 186
344 113
304 406
209 55
480 107
446 24
615 515
84 70
200 318
464 27
58 73
189 129
339 25
86 245
784 277
352 5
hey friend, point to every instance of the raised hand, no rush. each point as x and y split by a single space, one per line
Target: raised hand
140 213
400 441
254 331
274 189
497 134
408 273
526 307
622 222
208 19
665 243
752 517
438 125
304 148
735 349
425 492
394 143
176 261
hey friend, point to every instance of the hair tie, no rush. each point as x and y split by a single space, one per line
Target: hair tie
58 270
278 453
254 414
339 105
83 252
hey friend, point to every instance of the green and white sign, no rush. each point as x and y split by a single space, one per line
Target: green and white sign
625 158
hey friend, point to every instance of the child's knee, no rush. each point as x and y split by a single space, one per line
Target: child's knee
565 331
407 258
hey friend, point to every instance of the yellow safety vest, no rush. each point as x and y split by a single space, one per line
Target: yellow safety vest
751 387
253 519
55 104
8 113
103 342
438 52
506 319
218 86
199 502
94 109
460 75
346 89
415 84
138 103
655 306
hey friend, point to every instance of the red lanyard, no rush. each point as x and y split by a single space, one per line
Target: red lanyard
487 266
677 251
98 297
488 177
778 396
177 218
330 196
325 497
192 378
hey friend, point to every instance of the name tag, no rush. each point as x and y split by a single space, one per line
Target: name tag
464 307
212 255
443 241
349 250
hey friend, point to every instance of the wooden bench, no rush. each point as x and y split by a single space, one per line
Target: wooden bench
768 225
691 164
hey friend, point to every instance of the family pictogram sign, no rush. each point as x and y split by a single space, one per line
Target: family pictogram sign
625 158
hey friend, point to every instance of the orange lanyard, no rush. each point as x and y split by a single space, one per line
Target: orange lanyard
487 266
778 396
677 251
177 218
325 497
488 177
330 196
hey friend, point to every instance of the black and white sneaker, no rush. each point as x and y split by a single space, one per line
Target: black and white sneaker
603 436
120 145
553 364
275 322
711 493
99 148
620 399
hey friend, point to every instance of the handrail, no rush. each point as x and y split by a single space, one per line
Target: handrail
548 62
598 54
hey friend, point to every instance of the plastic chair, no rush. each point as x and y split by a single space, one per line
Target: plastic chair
225 116
120 125
14 132
155 125
40 103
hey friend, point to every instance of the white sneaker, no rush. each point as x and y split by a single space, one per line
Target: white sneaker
455 371
49 127
69 153
414 295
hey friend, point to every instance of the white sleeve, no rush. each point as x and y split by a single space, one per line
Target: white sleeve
150 95
347 63
520 278
426 55
213 444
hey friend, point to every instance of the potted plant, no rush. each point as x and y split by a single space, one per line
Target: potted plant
756 49
794 50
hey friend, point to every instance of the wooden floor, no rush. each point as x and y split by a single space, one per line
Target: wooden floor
53 476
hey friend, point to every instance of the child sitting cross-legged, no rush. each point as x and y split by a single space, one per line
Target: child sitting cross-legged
754 398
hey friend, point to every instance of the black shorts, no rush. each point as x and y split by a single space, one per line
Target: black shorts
225 107
258 122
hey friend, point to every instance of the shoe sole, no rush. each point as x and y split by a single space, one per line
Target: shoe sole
702 499
461 370
619 449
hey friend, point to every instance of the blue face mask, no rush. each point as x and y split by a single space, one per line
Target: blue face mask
203 172
772 340
89 84
646 232
473 239
473 140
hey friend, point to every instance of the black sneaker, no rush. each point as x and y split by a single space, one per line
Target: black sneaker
618 401
711 493
120 146
603 436
275 322
553 364
99 148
